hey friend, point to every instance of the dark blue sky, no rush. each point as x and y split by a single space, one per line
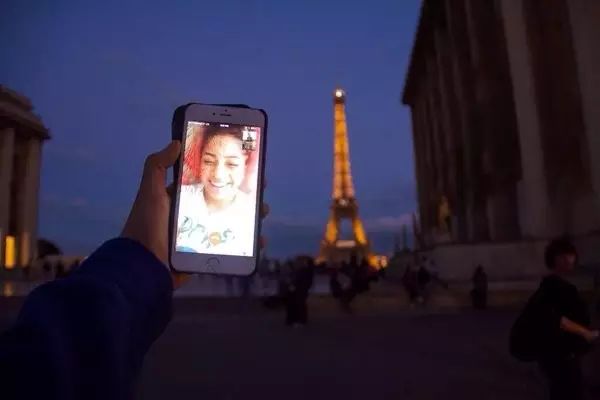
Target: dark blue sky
106 76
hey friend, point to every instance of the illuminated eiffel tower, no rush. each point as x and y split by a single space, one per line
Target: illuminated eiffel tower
344 205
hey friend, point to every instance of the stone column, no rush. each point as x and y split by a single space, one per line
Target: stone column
7 144
426 149
28 202
438 139
498 131
472 141
584 16
452 132
420 168
438 122
531 191
433 162
456 62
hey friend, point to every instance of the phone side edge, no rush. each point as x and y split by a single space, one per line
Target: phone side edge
176 134
263 167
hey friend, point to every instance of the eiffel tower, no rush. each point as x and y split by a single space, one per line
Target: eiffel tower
344 205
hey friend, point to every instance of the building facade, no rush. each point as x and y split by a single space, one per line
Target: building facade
505 104
22 134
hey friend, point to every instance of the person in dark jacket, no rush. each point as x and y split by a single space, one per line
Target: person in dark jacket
423 279
558 320
296 301
85 336
411 284
361 275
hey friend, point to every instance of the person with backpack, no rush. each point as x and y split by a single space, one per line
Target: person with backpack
554 327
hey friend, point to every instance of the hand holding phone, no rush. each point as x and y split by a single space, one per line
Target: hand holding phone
215 216
148 221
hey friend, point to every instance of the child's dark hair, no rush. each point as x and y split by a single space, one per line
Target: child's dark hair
558 247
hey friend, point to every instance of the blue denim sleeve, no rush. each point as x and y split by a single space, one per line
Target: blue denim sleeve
85 336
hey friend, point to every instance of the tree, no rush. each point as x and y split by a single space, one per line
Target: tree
47 248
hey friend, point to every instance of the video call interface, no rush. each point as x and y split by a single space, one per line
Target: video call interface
217 198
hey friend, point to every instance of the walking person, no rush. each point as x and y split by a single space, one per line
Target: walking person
303 280
423 279
554 328
335 286
289 293
360 276
411 285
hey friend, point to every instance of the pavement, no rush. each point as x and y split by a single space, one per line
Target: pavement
386 291
409 355
234 348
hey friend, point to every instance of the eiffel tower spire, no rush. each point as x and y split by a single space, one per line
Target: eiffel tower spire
342 177
344 205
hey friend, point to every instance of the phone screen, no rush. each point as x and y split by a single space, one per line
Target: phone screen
218 189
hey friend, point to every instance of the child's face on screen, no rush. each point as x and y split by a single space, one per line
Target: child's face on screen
223 168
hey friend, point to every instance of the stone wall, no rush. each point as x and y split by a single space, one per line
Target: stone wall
506 261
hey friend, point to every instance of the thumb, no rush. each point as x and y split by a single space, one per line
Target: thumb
155 168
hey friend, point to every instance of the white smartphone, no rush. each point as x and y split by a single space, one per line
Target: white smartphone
215 217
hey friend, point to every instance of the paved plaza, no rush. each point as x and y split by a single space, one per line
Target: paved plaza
237 349
384 356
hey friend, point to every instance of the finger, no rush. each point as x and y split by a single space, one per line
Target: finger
171 189
166 157
264 210
155 168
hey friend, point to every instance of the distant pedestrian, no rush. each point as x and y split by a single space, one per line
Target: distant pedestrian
304 281
334 284
263 274
553 329
480 289
411 284
276 268
423 279
363 277
286 288
360 275
297 292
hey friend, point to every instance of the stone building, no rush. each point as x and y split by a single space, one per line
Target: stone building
505 104
22 134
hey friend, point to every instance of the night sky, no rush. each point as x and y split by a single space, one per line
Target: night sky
105 78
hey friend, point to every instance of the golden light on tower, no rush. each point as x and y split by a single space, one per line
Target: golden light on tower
344 205
342 177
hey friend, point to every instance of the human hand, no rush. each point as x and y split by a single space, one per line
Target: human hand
148 221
